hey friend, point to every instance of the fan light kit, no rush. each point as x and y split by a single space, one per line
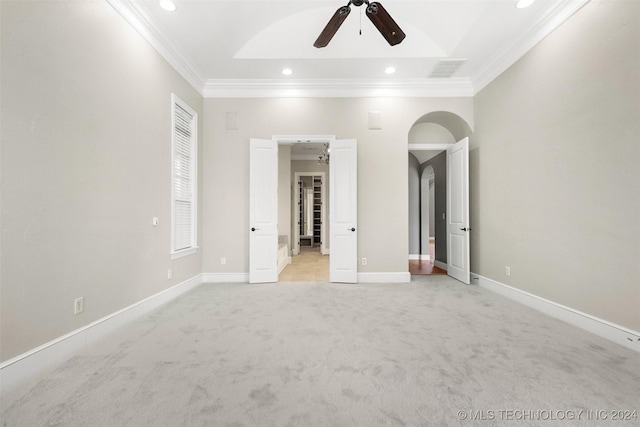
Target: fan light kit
376 14
324 155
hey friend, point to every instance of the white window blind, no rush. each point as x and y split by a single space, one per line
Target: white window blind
184 206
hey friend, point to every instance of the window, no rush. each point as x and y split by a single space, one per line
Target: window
183 184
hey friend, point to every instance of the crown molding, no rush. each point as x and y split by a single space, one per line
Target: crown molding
429 146
508 56
162 44
337 88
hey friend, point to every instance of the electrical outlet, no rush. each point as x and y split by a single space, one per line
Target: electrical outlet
223 261
507 271
364 261
78 305
169 274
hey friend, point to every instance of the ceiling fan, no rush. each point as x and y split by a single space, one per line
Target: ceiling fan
376 13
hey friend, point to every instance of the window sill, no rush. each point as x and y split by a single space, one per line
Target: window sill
184 252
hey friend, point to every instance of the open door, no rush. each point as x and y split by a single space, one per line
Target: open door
458 211
344 211
263 211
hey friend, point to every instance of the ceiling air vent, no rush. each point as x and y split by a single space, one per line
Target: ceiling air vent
446 68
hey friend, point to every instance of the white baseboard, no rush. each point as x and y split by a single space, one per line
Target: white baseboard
283 263
326 251
419 257
442 265
20 369
225 278
605 329
390 277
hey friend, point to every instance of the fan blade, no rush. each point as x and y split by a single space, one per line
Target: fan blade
332 26
385 23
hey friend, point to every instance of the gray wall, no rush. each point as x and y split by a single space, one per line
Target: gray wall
382 168
284 193
414 205
555 176
439 165
85 165
427 212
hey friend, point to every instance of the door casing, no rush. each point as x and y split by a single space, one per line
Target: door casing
298 139
463 276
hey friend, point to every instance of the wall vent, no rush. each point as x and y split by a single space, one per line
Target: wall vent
446 68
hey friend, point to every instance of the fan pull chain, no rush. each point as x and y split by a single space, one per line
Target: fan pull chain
360 21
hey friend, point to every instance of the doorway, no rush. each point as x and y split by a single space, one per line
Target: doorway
267 231
309 257
438 195
427 192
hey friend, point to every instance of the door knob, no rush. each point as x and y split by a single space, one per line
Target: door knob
465 229
253 229
352 229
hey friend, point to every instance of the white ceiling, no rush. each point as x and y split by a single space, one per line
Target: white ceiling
239 47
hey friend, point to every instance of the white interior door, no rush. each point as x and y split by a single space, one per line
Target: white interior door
343 215
458 211
263 211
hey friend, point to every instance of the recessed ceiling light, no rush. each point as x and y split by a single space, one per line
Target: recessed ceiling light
524 3
287 71
390 70
168 5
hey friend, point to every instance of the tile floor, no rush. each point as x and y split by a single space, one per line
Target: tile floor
308 266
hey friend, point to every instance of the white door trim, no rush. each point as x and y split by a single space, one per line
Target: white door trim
429 147
302 139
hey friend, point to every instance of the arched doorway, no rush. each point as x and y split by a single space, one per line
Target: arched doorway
428 139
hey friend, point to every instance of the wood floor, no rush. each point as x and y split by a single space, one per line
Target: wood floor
417 267
424 268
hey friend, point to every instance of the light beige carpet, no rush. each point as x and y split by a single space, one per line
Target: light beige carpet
432 352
